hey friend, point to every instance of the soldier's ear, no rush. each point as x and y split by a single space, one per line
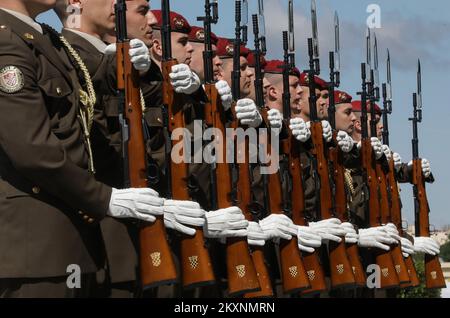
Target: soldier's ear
157 48
272 93
358 125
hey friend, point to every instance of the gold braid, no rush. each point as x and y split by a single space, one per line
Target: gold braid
349 181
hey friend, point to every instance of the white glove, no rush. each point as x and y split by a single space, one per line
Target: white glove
299 129
278 226
397 161
327 131
247 113
275 118
426 245
256 236
308 239
223 223
375 237
139 54
387 152
224 91
329 229
184 80
182 216
407 247
345 142
138 203
392 231
351 236
377 148
426 167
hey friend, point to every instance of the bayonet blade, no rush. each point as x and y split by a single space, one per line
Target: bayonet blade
375 63
262 21
419 86
291 27
389 78
337 44
244 12
368 54
315 31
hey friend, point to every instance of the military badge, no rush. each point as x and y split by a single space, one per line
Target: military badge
230 49
11 79
178 23
200 35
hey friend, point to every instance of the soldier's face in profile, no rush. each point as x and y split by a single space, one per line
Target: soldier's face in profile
345 118
98 14
266 86
296 93
323 102
197 59
252 94
304 101
247 73
379 127
139 21
181 48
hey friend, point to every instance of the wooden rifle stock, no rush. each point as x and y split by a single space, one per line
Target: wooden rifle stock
396 252
242 275
434 277
244 197
156 262
293 273
340 207
396 218
388 277
340 268
196 268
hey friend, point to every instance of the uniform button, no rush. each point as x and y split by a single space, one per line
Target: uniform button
85 217
90 220
58 90
80 213
159 120
3 27
36 190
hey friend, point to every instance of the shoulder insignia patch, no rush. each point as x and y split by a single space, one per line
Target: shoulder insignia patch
11 79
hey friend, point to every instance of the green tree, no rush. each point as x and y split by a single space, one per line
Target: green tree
419 291
445 251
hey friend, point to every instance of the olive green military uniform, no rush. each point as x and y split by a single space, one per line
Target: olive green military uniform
50 205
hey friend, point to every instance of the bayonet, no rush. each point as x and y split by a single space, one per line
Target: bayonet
389 78
376 71
337 44
291 27
368 54
244 17
315 37
419 86
262 26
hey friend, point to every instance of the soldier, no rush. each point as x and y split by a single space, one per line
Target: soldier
47 169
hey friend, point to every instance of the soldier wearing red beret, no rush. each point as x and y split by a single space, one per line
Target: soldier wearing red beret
251 66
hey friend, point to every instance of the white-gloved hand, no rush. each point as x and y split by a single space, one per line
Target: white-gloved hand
138 203
256 236
139 54
329 229
223 223
184 80
375 237
377 148
392 231
299 129
407 247
224 91
327 132
351 236
397 161
387 152
247 113
275 118
426 245
308 239
278 226
345 142
183 216
426 167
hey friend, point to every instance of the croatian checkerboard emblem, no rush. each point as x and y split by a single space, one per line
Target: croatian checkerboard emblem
11 79
156 258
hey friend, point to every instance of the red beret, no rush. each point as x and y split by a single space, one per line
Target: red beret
320 83
225 49
276 67
197 34
252 62
341 97
177 22
356 107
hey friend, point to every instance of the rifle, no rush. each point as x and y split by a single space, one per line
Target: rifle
340 268
156 263
395 204
195 261
337 160
242 276
434 277
382 169
389 278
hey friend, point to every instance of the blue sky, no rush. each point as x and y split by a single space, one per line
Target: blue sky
411 29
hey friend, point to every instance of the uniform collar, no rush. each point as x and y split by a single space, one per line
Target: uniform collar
26 19
96 42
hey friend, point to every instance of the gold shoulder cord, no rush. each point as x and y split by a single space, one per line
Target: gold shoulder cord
349 181
88 99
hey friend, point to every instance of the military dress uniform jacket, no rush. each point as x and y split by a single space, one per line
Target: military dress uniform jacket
120 236
49 203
